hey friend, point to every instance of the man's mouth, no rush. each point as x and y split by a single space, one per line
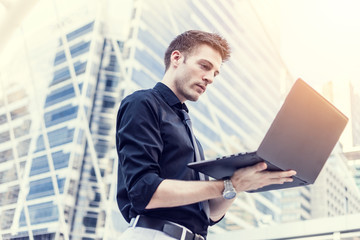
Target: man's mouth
202 87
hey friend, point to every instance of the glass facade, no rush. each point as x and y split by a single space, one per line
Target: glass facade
50 182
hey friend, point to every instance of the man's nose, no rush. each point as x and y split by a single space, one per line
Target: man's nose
208 78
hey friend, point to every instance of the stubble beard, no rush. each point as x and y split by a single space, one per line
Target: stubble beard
187 93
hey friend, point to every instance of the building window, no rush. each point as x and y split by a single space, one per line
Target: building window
60 136
39 165
20 112
61 160
3 119
40 188
23 147
22 129
40 213
6 155
59 58
60 95
60 75
60 115
21 94
4 137
79 49
81 31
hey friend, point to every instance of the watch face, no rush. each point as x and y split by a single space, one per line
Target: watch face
229 191
229 194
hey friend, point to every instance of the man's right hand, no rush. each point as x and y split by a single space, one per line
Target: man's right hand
256 176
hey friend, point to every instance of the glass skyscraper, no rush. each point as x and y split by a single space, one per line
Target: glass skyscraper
58 143
58 162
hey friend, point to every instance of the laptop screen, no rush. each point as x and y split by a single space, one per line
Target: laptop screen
303 133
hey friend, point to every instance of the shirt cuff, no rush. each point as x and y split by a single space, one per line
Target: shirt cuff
213 223
142 191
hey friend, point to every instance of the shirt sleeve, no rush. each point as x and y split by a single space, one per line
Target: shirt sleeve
139 146
213 223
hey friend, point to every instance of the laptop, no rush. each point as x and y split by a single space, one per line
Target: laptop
301 137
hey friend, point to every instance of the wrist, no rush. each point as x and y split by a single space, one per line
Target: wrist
217 188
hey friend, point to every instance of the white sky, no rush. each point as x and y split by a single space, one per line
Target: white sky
321 39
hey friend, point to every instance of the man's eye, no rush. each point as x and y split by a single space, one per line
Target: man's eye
204 66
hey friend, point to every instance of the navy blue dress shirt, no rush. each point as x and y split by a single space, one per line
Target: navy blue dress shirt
153 144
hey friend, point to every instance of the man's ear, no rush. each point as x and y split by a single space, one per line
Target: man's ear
176 58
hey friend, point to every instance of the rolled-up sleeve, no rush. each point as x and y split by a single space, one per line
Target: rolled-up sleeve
139 146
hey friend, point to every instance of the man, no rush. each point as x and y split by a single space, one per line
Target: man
157 193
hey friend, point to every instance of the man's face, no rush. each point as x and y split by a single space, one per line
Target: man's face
195 71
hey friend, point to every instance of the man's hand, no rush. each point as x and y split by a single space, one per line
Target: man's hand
255 177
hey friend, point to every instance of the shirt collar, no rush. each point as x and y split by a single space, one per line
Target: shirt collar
169 96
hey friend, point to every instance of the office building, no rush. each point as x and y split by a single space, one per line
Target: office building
335 192
58 140
347 95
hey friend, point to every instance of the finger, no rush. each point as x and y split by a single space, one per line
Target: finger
289 173
281 174
287 179
280 180
261 166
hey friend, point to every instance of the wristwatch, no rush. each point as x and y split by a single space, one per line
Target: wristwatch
229 190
